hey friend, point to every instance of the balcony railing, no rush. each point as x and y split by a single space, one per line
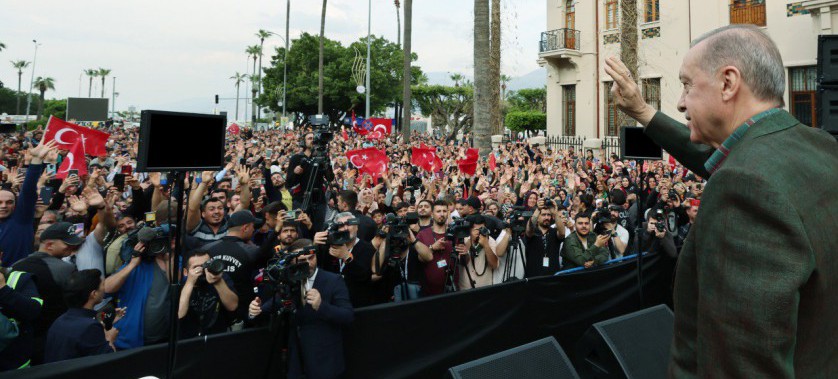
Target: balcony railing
748 12
558 39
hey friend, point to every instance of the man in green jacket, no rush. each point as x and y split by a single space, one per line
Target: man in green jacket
757 278
583 248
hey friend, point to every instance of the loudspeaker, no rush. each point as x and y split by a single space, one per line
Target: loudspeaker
7 128
635 345
539 359
174 141
827 108
828 59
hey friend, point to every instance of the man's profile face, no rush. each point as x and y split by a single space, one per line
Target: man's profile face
701 97
7 204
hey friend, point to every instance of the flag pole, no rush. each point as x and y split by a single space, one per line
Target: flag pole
369 28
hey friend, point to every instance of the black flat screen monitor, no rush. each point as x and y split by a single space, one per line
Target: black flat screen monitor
634 144
174 141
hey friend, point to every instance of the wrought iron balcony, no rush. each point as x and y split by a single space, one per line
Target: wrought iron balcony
559 39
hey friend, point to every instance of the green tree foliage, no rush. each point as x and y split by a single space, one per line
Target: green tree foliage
451 108
339 94
57 108
520 121
8 100
528 99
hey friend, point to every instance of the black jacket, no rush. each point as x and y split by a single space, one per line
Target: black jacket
357 273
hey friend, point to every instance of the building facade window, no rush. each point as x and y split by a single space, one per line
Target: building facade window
611 12
651 11
570 14
569 100
802 89
614 117
747 12
652 92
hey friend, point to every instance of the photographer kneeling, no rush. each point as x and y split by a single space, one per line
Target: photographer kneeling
655 238
478 265
207 300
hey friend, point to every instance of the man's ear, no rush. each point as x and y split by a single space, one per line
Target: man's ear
731 82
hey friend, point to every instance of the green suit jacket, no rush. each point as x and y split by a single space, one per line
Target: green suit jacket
756 287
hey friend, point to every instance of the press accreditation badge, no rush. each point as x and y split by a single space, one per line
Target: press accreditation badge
546 262
441 263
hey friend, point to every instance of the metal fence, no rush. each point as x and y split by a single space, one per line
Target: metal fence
558 39
565 142
611 145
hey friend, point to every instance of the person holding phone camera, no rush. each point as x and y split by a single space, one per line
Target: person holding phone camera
208 299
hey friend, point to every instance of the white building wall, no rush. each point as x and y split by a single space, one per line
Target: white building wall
661 55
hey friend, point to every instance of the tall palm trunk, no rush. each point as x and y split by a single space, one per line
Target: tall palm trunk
398 26
406 102
90 87
41 103
494 80
482 76
261 44
253 96
103 86
17 95
237 100
320 61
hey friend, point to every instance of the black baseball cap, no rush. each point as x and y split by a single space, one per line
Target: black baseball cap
241 218
62 231
473 202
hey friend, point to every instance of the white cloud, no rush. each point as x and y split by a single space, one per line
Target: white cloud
165 52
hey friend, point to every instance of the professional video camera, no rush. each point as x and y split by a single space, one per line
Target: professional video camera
413 183
337 236
282 271
517 219
458 230
322 136
156 241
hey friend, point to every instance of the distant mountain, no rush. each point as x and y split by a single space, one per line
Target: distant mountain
534 79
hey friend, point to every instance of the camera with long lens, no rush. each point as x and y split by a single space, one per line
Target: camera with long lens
398 229
215 266
601 218
337 236
549 203
517 219
413 183
458 230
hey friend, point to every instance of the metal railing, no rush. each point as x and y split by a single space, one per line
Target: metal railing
564 142
748 12
558 39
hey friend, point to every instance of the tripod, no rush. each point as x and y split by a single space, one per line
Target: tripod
514 252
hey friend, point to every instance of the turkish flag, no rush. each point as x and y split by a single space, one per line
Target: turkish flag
468 166
73 160
384 125
375 135
424 157
66 135
343 133
493 164
233 129
369 161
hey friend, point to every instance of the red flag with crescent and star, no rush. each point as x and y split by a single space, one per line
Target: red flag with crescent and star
66 134
73 160
370 161
468 166
234 129
424 157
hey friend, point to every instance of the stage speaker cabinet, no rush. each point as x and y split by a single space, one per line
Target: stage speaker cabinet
176 141
828 59
633 346
827 107
826 104
539 359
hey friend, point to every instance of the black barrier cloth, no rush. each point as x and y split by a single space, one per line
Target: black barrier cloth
417 339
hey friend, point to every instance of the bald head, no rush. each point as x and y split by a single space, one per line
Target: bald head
752 52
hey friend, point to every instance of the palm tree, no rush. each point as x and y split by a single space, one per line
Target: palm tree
482 75
398 24
494 67
320 61
19 66
457 79
2 46
103 72
254 51
504 83
239 79
263 35
254 81
91 73
43 85
406 100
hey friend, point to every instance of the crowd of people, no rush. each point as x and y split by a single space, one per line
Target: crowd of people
87 260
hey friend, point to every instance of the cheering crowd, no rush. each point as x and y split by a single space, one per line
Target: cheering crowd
87 244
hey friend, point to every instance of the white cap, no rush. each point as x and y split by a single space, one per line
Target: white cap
275 169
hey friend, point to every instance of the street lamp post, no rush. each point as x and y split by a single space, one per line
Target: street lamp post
113 98
285 59
32 79
369 28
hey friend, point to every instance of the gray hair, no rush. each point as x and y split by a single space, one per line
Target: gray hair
346 215
751 51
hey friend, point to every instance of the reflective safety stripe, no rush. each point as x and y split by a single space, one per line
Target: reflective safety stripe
14 277
25 365
39 300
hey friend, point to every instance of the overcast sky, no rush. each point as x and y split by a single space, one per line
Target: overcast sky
165 53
